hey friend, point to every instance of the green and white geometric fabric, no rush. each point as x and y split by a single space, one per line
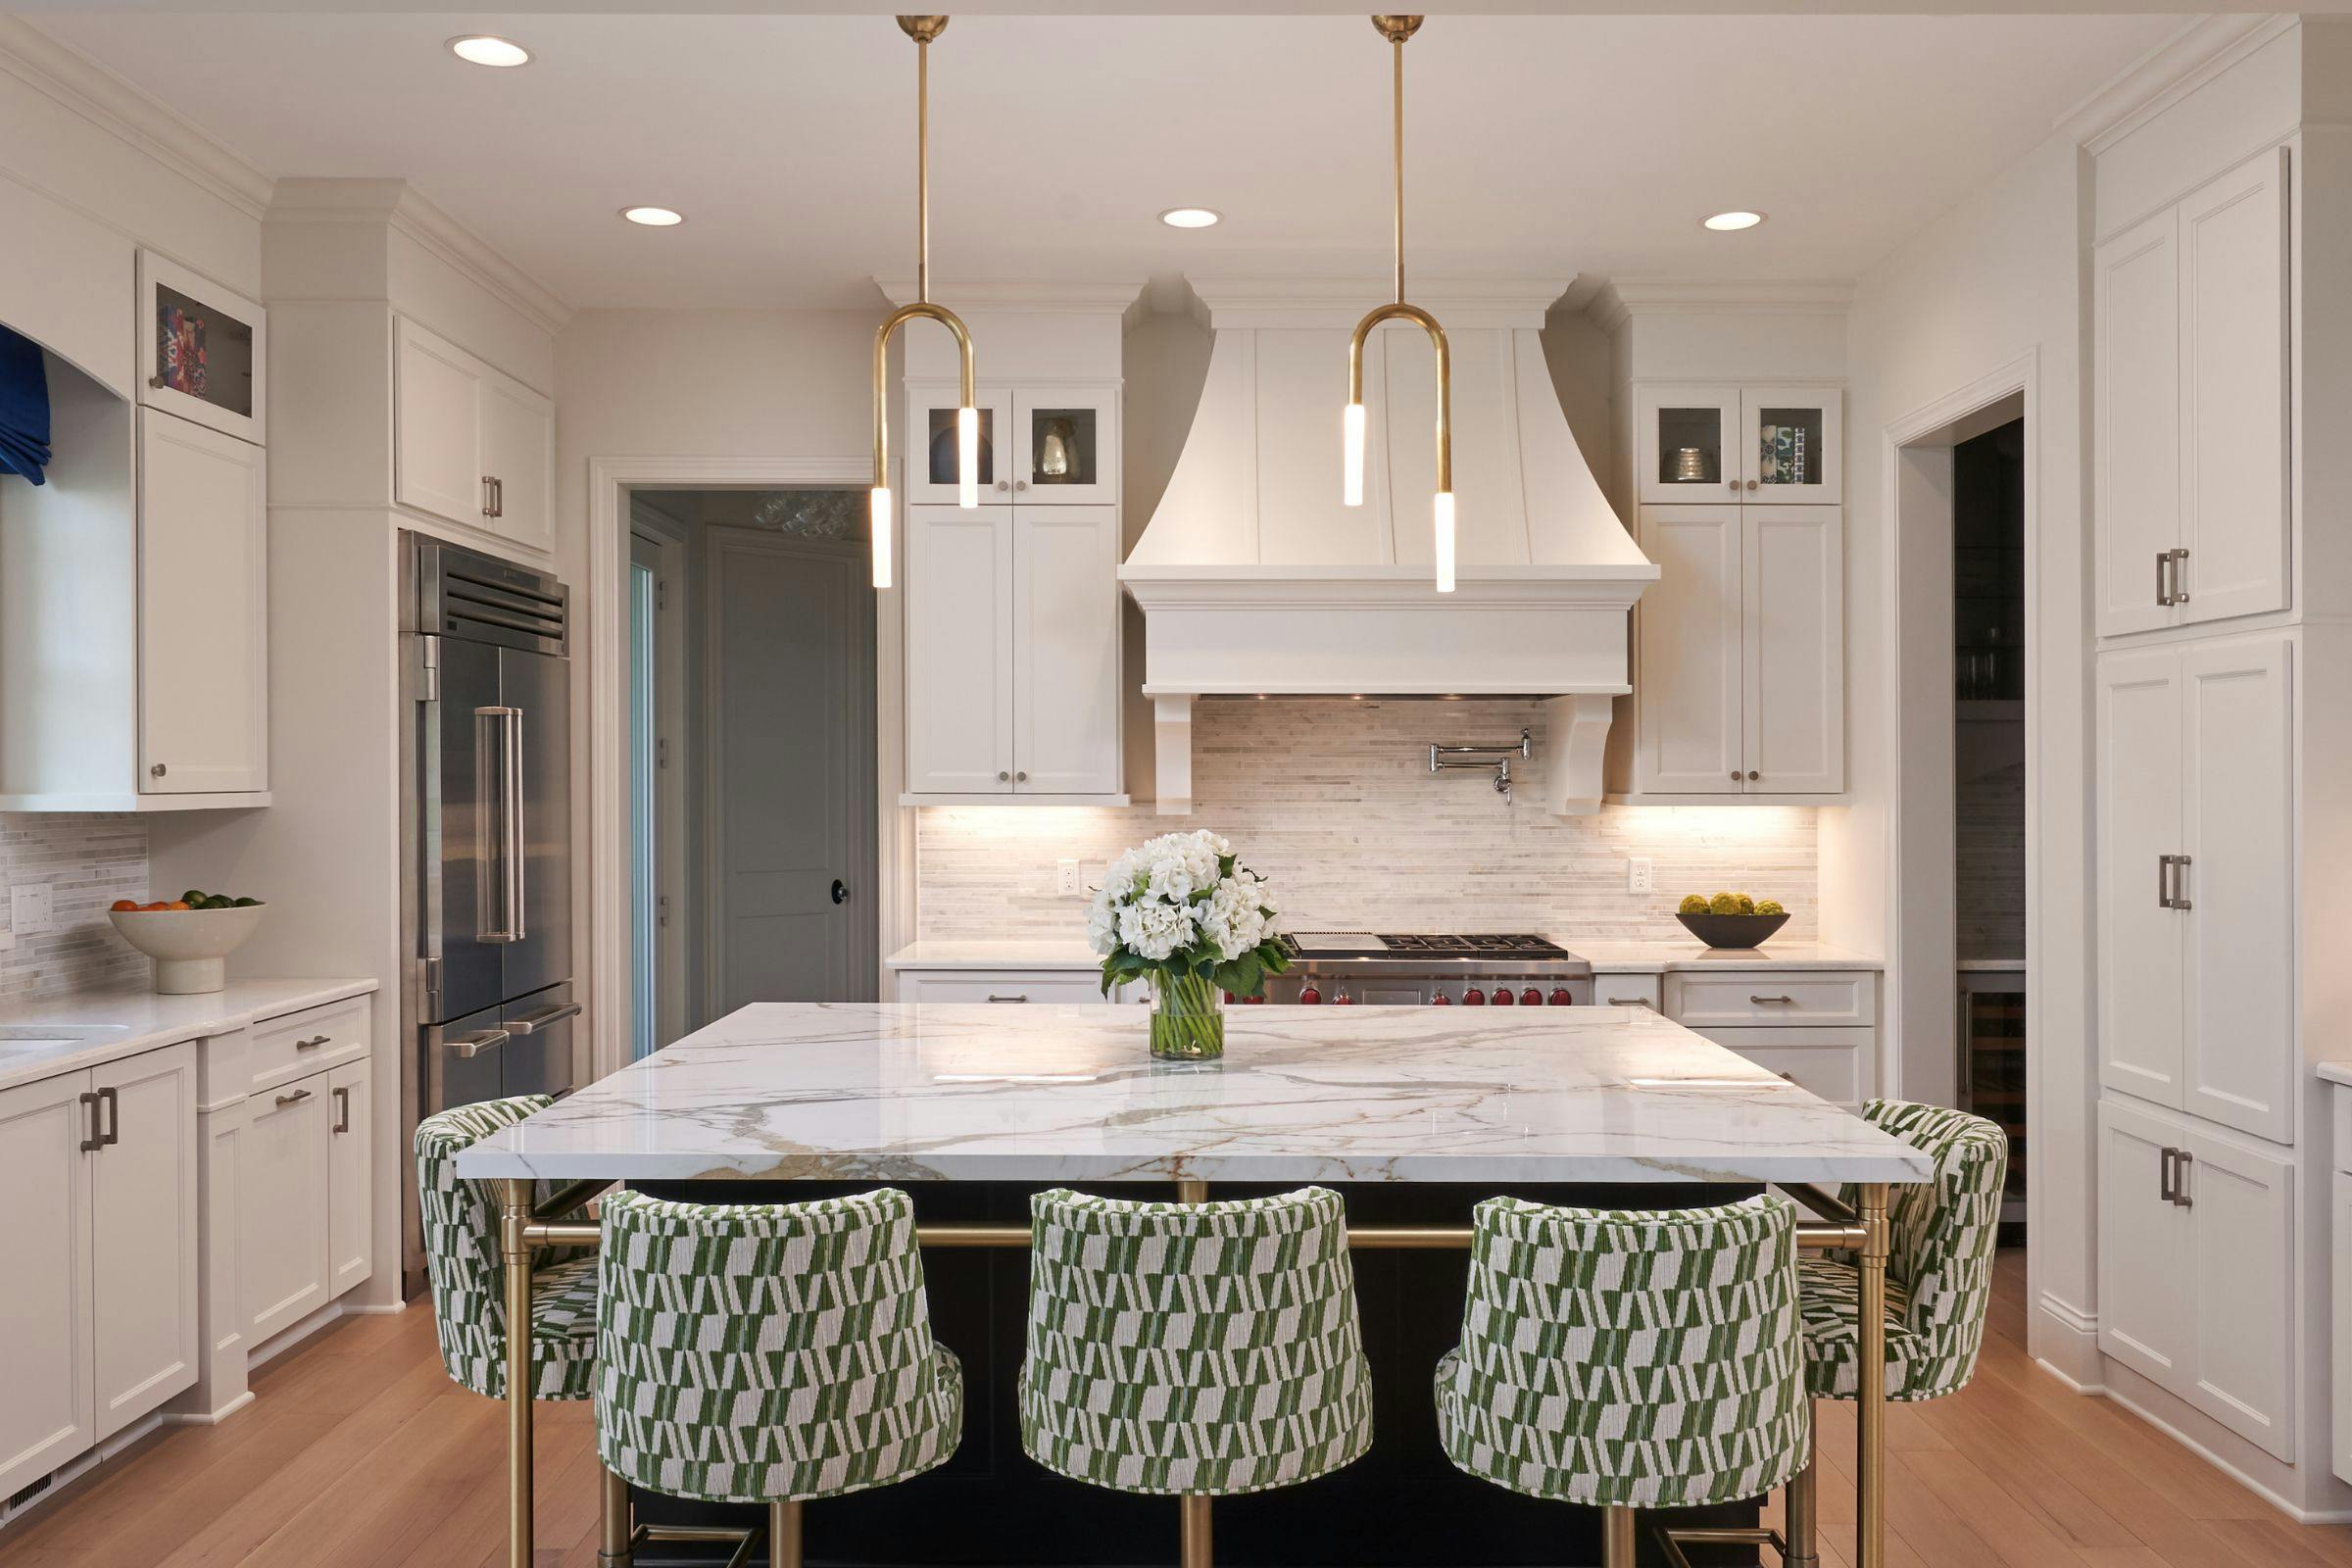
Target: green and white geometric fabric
768 1352
1939 1265
1201 1348
462 1264
1634 1359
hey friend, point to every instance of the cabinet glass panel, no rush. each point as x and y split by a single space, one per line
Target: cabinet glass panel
1691 445
1063 446
941 444
202 351
1788 446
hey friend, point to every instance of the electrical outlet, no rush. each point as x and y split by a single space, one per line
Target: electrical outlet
1066 881
28 908
1638 875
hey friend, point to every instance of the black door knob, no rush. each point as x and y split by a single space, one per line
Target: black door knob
841 891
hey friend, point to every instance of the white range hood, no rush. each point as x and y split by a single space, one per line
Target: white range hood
1254 579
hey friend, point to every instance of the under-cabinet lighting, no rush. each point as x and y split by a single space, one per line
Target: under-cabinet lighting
485 49
1729 222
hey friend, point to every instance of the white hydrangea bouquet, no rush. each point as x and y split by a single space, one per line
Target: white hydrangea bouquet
1184 912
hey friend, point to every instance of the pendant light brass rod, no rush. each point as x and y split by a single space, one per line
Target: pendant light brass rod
1396 29
922 30
922 171
1396 49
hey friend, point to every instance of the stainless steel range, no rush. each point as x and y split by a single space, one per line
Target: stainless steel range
1495 970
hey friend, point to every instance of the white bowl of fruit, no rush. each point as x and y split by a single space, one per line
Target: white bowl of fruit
190 936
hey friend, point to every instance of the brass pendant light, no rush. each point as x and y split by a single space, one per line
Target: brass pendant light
1396 29
922 30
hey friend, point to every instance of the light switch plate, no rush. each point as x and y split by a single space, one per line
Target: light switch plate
1066 881
1639 877
28 908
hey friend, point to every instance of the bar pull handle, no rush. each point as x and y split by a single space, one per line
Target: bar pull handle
90 1140
1021 997
313 1042
2181 1160
2171 881
342 1097
498 825
2180 864
2179 558
294 1099
2164 567
2167 1177
543 1019
113 1107
1779 1000
471 1046
517 863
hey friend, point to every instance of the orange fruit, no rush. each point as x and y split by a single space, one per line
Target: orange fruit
176 904
124 903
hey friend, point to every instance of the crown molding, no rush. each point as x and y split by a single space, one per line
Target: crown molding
109 101
1623 297
1342 301
2168 73
1027 297
397 205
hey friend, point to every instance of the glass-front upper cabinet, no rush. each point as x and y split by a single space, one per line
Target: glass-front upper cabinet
929 440
203 350
1069 444
1689 448
1793 444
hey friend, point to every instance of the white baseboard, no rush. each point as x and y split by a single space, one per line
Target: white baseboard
2300 1515
376 1308
2064 1340
208 1418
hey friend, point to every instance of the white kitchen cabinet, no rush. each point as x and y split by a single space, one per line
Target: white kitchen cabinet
1761 444
2147 1310
2197 879
47 1318
143 1230
929 443
2192 373
202 570
1740 655
471 445
1817 1028
284 1180
1003 987
1055 445
1688 446
1013 654
204 351
349 1180
1792 445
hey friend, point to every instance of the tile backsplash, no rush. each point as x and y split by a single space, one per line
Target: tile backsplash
1334 801
88 863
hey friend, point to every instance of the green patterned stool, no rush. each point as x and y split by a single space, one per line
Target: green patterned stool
1629 1360
1192 1349
1938 1280
768 1352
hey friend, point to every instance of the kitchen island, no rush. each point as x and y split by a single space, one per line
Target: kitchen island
1414 1114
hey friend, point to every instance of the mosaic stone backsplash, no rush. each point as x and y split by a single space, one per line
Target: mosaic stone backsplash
1334 801
88 863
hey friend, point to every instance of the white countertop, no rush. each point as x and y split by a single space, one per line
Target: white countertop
2336 1072
133 1020
1608 955
930 1092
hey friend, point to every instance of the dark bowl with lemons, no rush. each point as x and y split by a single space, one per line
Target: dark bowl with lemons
1731 921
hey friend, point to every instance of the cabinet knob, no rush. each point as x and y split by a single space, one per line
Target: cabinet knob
1735 775
1021 484
1753 774
1022 777
1004 778
157 770
1003 485
1751 484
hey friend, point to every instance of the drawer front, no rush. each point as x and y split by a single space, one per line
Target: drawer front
1626 991
1010 988
1739 998
1834 1063
298 1043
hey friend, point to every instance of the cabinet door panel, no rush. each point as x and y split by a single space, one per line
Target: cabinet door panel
2340 1209
2234 392
1793 705
1065 631
959 651
437 425
204 612
2237 977
1687 445
929 441
2147 1309
143 1234
348 1177
48 1414
1065 446
282 1199
518 452
2140 942
2137 359
1793 444
2243 1267
1688 684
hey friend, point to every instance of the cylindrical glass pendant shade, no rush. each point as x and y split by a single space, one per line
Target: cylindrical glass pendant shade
967 458
881 533
1351 473
1443 512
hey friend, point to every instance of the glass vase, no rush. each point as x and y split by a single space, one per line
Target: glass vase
1188 1019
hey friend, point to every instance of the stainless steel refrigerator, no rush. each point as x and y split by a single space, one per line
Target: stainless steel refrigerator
487 1004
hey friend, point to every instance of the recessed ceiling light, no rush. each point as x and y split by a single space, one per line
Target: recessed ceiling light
653 217
484 49
1190 217
1727 222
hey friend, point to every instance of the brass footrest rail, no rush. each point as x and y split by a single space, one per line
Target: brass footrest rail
1360 1238
1672 1541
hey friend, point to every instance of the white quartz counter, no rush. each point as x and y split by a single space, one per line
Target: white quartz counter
107 1025
890 1091
1608 955
2336 1072
1050 954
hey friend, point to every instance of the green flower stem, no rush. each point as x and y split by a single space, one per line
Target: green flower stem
1188 1017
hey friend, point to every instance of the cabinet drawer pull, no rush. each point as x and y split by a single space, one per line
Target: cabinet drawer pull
108 1102
91 1141
2181 1160
2179 558
294 1099
1628 1002
342 1097
1780 1000
2163 587
1021 997
2164 1175
313 1042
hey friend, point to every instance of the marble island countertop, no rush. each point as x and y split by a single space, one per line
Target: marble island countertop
44 1036
888 1092
1607 956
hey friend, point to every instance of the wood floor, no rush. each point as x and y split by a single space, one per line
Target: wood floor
361 1453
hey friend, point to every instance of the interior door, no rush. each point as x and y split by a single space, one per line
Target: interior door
1792 707
791 818
2147 1308
437 464
467 842
204 611
2140 938
959 676
2234 392
1688 685
48 1414
1066 705
2136 403
538 687
2238 1008
143 1234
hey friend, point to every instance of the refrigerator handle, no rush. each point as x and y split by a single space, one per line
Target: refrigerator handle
496 824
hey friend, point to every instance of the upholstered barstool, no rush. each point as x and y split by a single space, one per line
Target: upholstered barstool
1192 1349
1626 1359
767 1352
1939 1281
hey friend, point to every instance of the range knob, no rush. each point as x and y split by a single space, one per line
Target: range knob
1474 998
1340 998
1258 1000
1562 997
1439 999
1531 998
1503 996
1309 995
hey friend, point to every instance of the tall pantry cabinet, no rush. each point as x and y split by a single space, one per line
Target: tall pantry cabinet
2222 758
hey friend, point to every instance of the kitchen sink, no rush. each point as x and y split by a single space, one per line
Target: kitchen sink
30 1039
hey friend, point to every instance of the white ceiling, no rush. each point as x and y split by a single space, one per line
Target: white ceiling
1542 144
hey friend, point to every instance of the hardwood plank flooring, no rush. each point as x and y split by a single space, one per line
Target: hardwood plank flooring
359 1453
